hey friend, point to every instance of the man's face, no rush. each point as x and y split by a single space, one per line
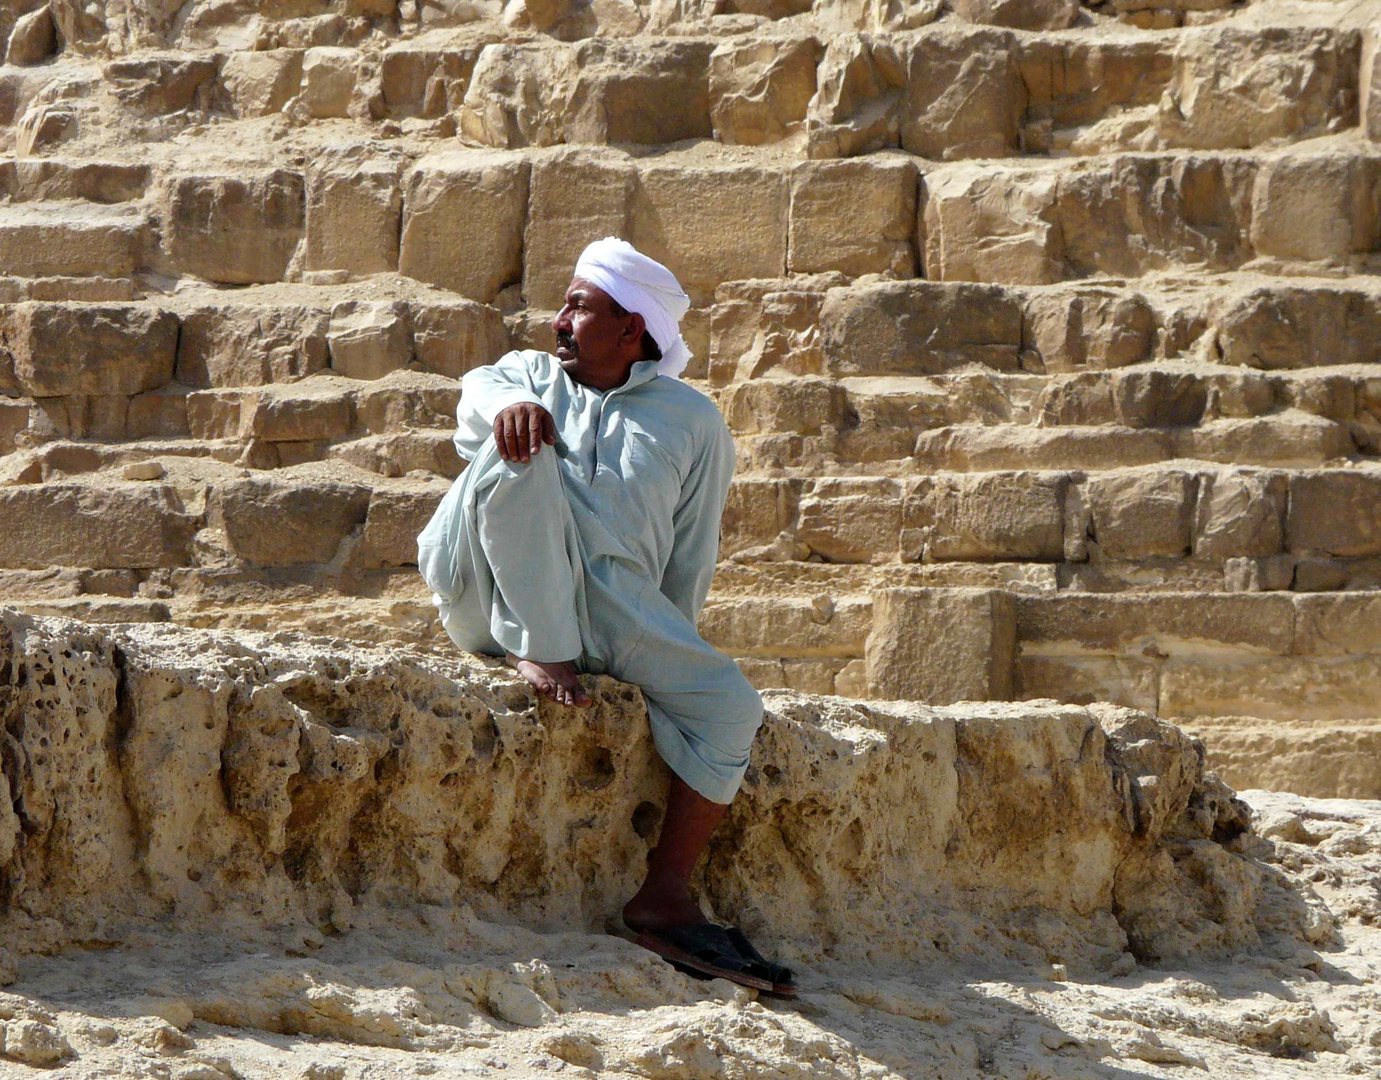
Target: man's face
595 346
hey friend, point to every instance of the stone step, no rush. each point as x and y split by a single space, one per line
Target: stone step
1128 215
884 414
173 513
1306 755
1063 92
73 238
716 215
930 328
1274 656
1249 528
1289 438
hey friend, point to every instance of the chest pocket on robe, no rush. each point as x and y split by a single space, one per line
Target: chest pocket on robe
654 469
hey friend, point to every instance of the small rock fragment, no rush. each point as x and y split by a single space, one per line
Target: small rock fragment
33 1043
143 470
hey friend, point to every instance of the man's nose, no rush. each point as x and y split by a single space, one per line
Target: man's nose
561 324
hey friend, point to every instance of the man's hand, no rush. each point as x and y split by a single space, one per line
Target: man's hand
520 430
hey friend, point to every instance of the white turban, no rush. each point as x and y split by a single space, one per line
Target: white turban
645 286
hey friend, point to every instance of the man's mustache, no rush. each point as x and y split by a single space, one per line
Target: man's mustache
567 341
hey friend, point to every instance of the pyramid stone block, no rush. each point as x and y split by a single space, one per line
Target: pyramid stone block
942 645
235 229
463 222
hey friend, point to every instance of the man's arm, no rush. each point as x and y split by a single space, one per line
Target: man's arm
500 401
695 548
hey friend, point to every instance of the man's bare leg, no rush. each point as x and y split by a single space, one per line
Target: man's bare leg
558 680
665 898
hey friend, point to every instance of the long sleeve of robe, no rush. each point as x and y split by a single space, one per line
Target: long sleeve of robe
601 549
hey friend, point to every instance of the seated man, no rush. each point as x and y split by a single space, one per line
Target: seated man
596 556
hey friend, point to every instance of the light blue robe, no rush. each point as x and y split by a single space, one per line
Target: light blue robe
599 550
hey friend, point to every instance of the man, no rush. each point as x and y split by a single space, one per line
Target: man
583 535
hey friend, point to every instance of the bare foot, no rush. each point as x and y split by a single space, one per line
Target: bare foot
557 679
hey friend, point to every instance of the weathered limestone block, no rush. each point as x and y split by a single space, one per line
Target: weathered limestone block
1142 514
942 645
851 520
1089 328
758 511
247 345
919 328
857 104
57 238
986 517
307 411
156 85
369 338
857 217
518 95
1305 756
649 92
353 215
158 414
964 95
406 400
44 126
91 181
261 83
759 90
787 626
1298 327
1337 512
234 229
1283 687
1089 96
33 39
105 524
1138 214
329 74
276 522
806 406
1157 398
887 413
391 525
401 452
1020 14
559 227
757 327
711 223
1240 513
983 224
1241 88
1342 624
451 338
463 222
56 349
420 81
1083 679
856 14
1315 207
1156 625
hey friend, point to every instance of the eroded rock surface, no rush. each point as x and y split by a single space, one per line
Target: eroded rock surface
390 852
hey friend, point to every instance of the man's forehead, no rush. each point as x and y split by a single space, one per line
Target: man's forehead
580 289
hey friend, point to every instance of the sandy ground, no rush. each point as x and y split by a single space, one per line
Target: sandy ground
431 991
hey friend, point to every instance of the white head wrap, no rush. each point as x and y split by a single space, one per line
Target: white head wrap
645 286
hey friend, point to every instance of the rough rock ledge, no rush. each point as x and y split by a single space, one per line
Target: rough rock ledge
430 857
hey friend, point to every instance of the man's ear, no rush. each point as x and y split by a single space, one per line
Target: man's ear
633 332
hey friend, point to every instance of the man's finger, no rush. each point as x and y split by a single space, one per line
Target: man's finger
534 433
510 437
548 429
